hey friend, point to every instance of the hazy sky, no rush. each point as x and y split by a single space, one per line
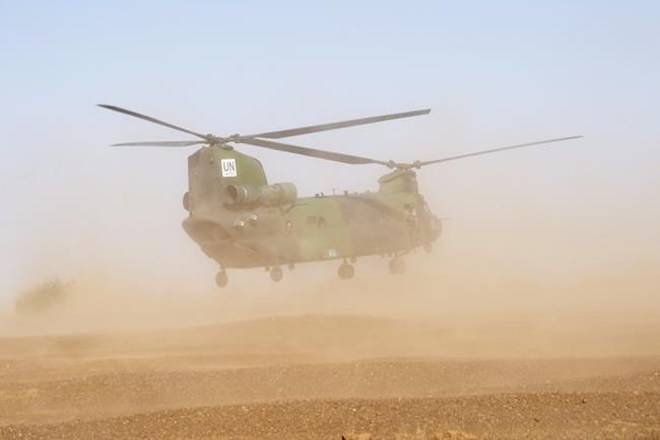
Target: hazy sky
494 73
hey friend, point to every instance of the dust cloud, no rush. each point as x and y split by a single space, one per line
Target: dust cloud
461 305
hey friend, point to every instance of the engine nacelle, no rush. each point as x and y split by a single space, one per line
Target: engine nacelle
243 194
278 194
271 195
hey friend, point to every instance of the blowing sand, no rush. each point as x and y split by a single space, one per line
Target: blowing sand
164 369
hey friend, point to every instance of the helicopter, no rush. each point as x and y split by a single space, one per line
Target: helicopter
240 220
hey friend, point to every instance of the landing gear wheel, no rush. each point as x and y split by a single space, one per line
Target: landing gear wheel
276 274
397 265
221 279
346 271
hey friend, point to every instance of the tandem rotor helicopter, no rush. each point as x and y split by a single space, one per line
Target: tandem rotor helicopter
241 221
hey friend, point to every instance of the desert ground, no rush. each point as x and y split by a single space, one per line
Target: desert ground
146 369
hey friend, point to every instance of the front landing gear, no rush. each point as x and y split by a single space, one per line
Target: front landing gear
276 274
397 265
221 278
346 271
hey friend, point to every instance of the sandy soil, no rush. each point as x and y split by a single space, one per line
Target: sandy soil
312 376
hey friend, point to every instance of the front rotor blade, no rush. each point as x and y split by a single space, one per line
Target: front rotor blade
150 119
311 152
335 125
494 150
159 144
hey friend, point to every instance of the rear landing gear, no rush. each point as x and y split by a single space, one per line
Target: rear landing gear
397 265
276 274
221 278
346 271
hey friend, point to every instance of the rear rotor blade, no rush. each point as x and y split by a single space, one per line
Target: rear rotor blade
335 125
154 120
159 144
311 152
493 150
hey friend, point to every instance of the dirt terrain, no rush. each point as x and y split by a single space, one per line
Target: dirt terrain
313 376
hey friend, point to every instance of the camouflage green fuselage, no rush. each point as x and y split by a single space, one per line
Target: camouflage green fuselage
241 221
